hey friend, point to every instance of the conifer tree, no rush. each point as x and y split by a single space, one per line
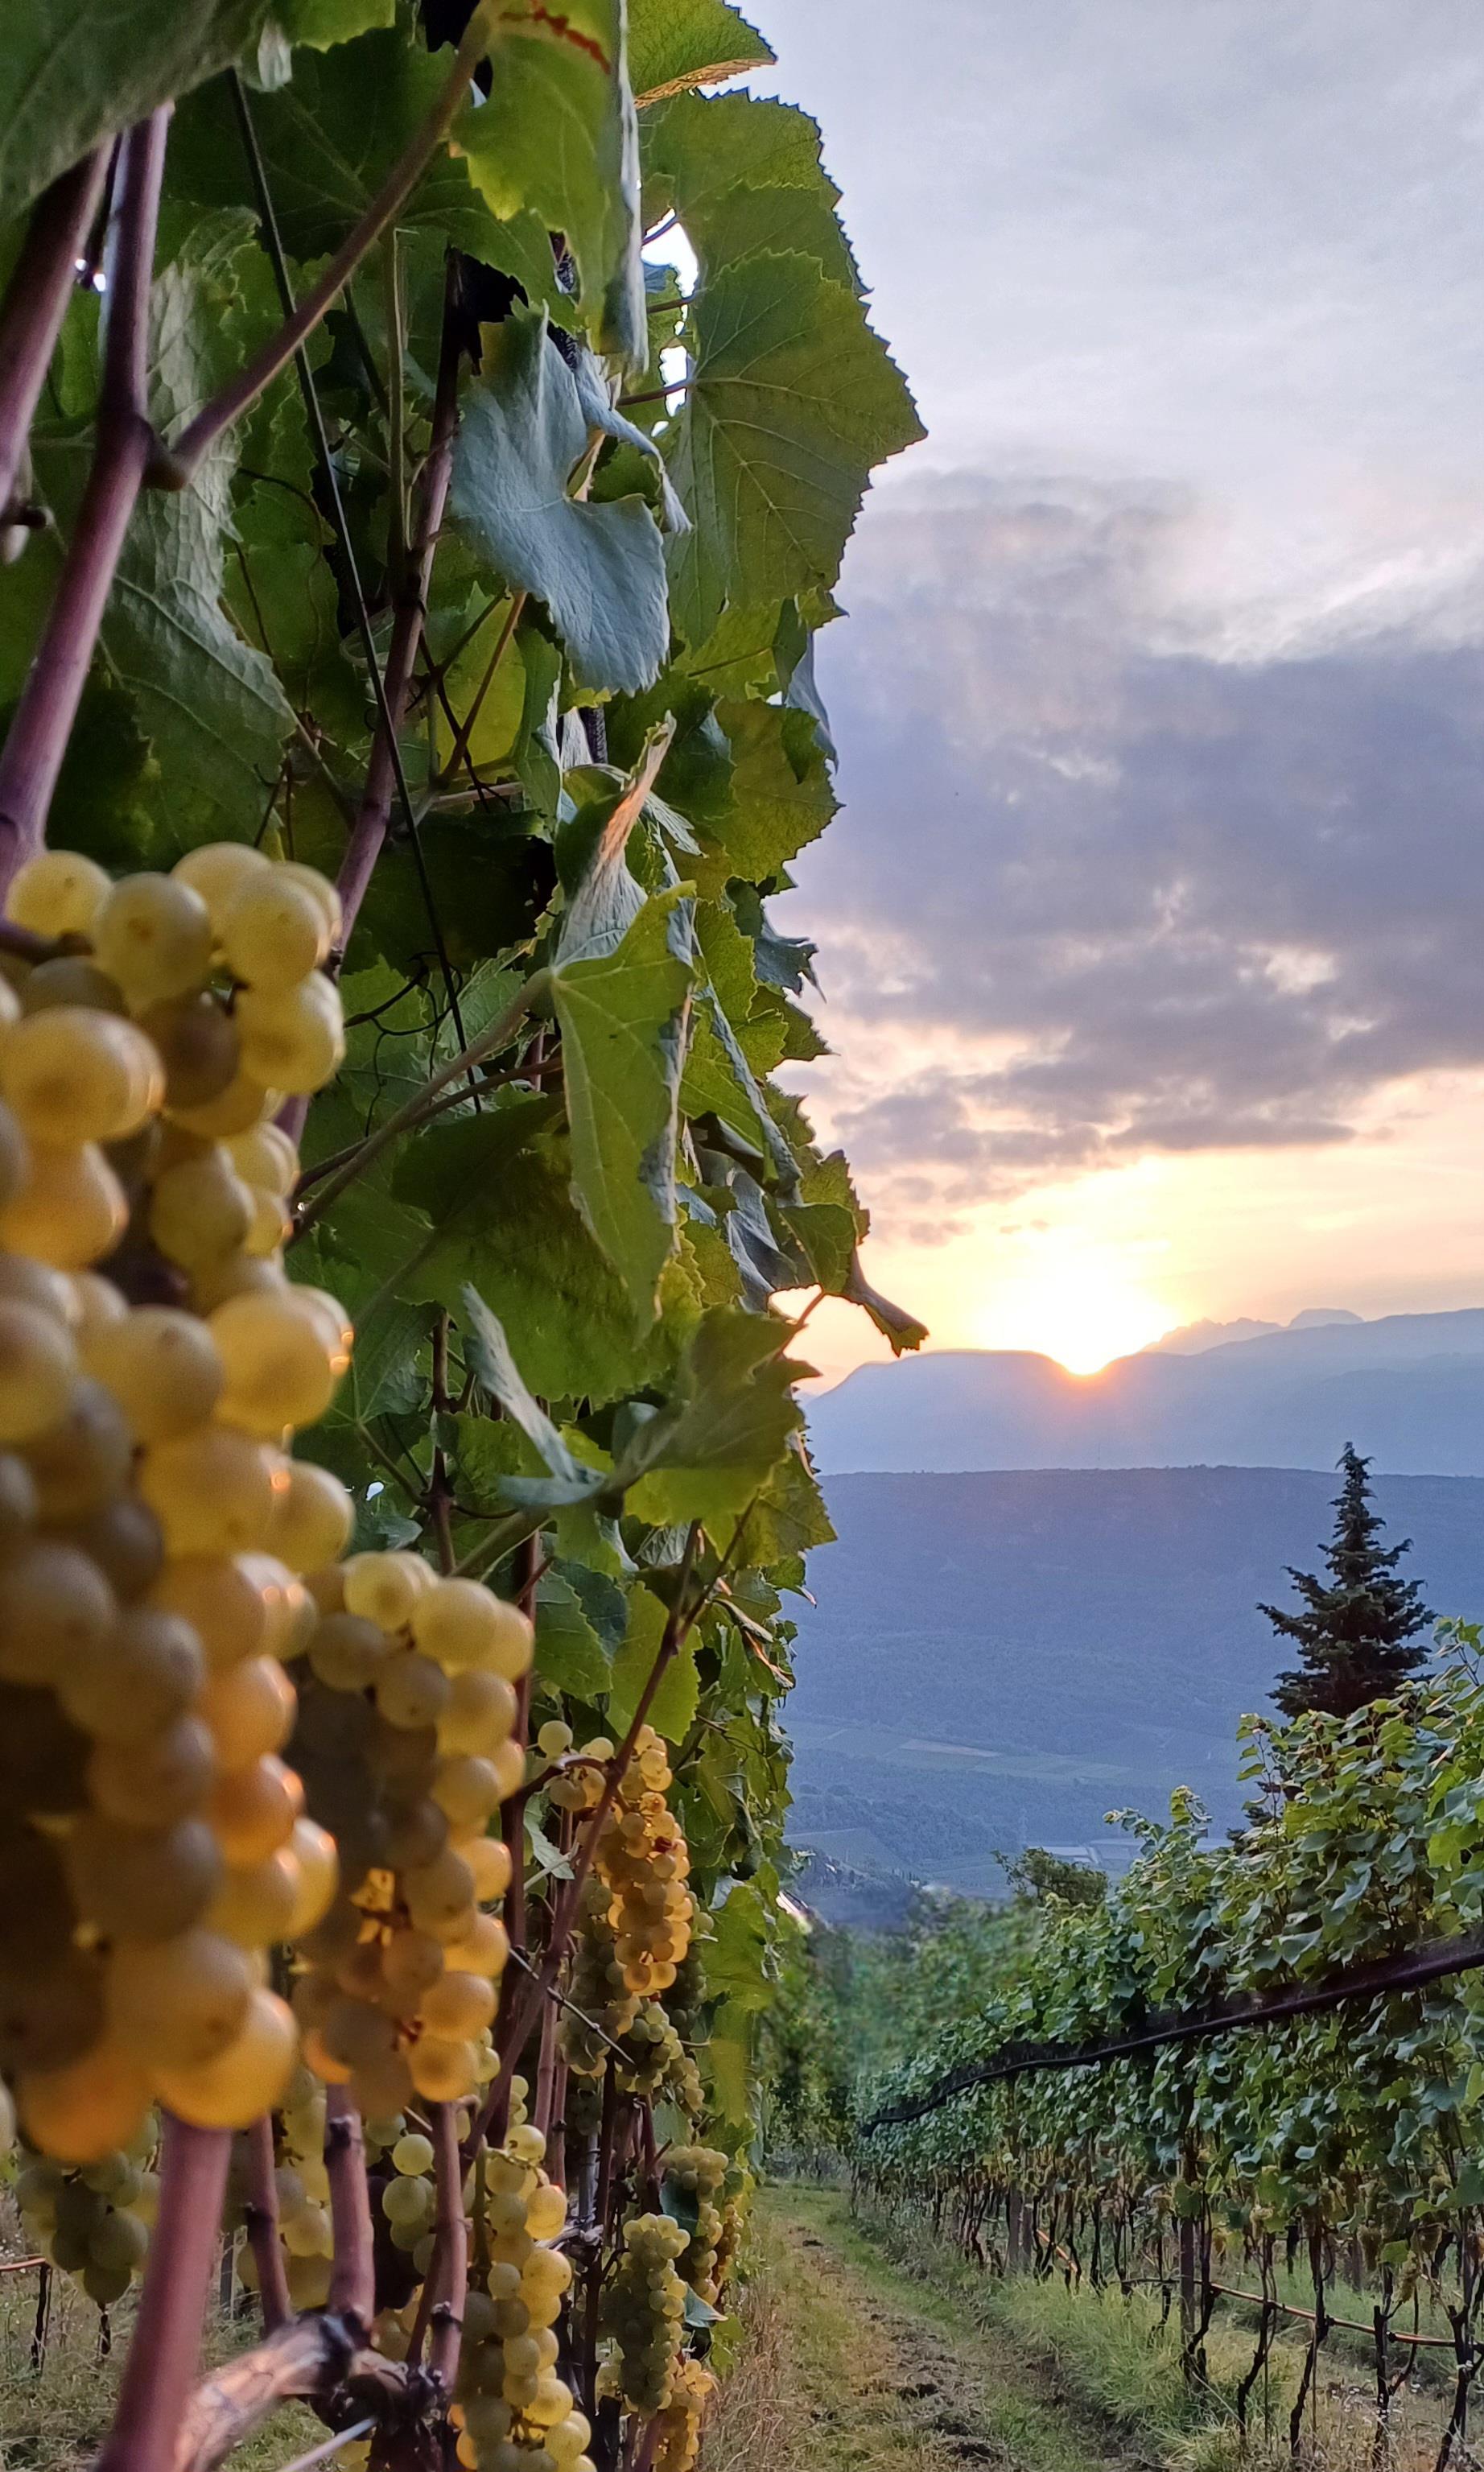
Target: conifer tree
1358 1631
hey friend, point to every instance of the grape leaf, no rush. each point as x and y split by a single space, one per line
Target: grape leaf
569 1652
744 175
322 24
556 134
622 1023
600 570
674 44
712 1445
487 1351
791 402
210 704
73 72
672 1710
779 796
328 140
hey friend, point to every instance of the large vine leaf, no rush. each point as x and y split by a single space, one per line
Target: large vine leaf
674 44
498 1196
600 570
791 402
557 136
744 175
322 24
672 1710
74 72
712 1447
328 140
621 1024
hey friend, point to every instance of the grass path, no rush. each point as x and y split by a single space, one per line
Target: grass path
853 2367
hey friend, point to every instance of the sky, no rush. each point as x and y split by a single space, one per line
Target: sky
1149 935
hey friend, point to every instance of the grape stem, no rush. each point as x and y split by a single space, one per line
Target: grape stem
262 2228
49 700
36 303
175 467
162 2358
353 2280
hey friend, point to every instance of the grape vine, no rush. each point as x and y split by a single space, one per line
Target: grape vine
408 652
1347 2139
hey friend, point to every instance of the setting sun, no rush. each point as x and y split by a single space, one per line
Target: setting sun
1078 1304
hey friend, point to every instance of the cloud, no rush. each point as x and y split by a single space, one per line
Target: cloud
1100 890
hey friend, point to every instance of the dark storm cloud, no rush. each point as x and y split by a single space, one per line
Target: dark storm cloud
1147 897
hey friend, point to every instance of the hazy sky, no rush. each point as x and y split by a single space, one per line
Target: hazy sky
1152 931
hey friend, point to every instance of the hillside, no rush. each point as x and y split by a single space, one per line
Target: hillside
1408 1390
999 1658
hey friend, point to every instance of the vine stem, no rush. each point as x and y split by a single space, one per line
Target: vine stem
353 2278
452 2251
384 776
162 2358
173 466
444 423
268 2256
36 303
448 2269
49 701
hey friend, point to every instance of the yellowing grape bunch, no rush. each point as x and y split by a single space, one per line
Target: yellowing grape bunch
644 1861
512 2412
644 2312
681 2422
412 1683
154 1361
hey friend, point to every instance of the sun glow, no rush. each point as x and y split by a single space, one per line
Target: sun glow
1079 1304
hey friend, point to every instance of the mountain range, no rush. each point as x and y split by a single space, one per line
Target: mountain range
1000 1659
1408 1390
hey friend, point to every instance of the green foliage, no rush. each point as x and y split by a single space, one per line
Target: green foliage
1357 1632
790 402
1363 2120
74 75
598 569
561 1263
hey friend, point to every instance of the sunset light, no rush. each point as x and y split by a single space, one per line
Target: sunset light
1077 1303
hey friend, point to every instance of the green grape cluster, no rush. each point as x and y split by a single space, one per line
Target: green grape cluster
597 1988
154 1361
643 2310
656 2062
302 2188
409 1687
94 2221
512 2412
700 2171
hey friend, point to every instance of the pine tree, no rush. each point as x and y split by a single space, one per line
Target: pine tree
1357 1632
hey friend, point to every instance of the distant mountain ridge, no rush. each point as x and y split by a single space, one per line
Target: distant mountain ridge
1195 1337
1408 1390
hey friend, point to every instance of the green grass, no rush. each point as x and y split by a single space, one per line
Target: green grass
1114 2357
52 2419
